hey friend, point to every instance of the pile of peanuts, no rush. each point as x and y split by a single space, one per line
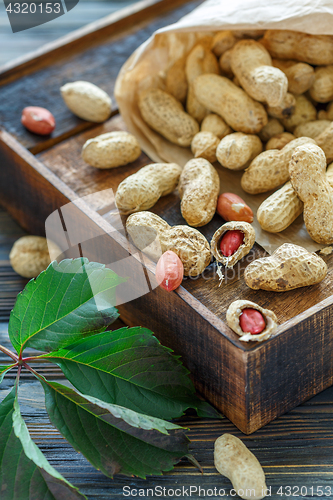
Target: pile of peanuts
254 101
251 101
249 91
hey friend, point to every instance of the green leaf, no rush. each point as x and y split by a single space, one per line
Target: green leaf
66 301
114 439
4 370
129 367
24 471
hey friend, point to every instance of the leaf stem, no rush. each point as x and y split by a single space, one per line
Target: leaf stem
32 370
40 359
18 378
9 353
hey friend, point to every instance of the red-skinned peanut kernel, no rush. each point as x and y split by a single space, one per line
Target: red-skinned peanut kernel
169 271
231 207
38 120
231 241
252 321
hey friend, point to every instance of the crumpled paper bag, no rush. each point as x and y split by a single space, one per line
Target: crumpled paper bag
148 65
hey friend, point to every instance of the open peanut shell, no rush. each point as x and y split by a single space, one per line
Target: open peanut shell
242 250
234 312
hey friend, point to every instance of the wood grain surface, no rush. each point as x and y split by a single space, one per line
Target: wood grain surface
251 384
295 450
99 64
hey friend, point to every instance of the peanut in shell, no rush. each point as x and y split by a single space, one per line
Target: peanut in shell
289 267
154 236
164 114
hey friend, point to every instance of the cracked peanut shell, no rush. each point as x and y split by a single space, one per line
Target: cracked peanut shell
234 312
244 249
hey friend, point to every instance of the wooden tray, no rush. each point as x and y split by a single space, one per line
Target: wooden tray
250 384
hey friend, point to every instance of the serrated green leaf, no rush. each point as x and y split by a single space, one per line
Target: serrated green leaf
68 300
114 439
4 370
24 471
129 367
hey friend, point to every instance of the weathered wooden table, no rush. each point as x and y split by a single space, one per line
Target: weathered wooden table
296 450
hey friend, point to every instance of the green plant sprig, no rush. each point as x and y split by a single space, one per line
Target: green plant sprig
127 385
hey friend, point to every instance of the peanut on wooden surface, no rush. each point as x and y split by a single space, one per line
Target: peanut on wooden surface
87 101
312 49
270 169
312 129
38 120
252 65
289 267
285 109
308 177
204 145
301 76
237 150
304 112
143 189
169 271
154 236
279 141
272 128
236 248
199 61
231 207
30 255
111 150
164 114
250 327
221 96
216 125
322 88
235 461
176 81
199 187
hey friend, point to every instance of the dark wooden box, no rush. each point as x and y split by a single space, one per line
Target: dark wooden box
250 384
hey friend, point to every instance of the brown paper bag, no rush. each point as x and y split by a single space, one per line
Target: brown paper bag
148 65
